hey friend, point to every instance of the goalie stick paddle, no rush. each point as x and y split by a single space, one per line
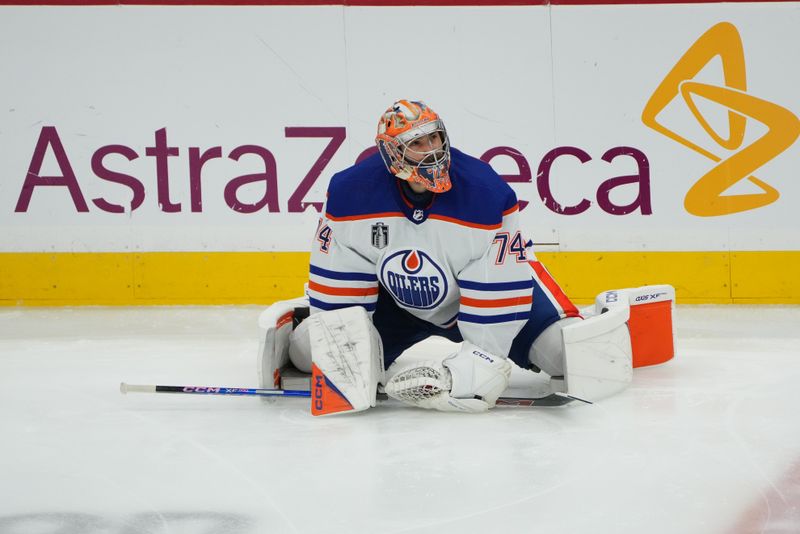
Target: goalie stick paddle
554 399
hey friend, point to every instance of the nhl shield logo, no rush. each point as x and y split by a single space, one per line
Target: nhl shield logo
380 235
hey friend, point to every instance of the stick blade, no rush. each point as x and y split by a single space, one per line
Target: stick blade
548 400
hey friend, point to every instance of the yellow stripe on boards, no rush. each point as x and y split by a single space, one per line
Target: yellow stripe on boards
766 277
57 279
696 276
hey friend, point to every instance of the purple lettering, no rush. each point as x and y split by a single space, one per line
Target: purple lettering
642 178
102 172
161 151
543 180
196 162
49 137
269 177
337 135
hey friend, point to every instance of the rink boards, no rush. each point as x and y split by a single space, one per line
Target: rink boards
180 154
253 277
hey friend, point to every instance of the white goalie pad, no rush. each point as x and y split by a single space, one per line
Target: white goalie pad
597 355
347 361
275 324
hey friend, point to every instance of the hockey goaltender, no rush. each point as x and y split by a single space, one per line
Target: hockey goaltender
423 240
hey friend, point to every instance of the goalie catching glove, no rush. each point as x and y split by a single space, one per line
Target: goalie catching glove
469 381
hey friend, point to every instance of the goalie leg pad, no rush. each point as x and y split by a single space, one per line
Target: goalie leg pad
597 355
347 361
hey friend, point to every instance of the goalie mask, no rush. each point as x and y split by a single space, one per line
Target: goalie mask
414 146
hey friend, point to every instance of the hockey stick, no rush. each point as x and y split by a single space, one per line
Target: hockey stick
203 390
554 399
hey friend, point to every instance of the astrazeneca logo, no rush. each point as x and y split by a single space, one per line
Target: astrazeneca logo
414 279
705 198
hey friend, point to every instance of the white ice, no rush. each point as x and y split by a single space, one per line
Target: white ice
707 443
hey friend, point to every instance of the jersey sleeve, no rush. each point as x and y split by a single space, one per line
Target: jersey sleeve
339 276
497 289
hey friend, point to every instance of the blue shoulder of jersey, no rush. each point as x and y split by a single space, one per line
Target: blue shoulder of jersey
365 188
478 196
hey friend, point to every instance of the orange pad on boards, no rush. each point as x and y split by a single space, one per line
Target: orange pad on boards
651 333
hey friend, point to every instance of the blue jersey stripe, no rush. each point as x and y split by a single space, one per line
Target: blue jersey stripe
492 319
327 306
495 286
338 275
450 320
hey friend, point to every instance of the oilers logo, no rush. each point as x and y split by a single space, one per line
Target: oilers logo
414 279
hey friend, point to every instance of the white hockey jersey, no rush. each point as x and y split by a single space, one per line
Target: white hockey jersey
460 260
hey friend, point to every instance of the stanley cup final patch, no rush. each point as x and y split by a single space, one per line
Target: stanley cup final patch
380 235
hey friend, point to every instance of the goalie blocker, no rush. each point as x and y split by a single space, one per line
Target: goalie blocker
626 328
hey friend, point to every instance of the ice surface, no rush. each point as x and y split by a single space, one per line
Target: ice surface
707 443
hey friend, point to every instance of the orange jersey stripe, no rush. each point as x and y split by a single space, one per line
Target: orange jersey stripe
561 298
511 210
365 216
386 214
343 291
465 223
496 303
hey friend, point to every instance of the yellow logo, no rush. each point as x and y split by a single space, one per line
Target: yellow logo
705 198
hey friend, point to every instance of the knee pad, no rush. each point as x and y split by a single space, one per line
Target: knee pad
276 324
